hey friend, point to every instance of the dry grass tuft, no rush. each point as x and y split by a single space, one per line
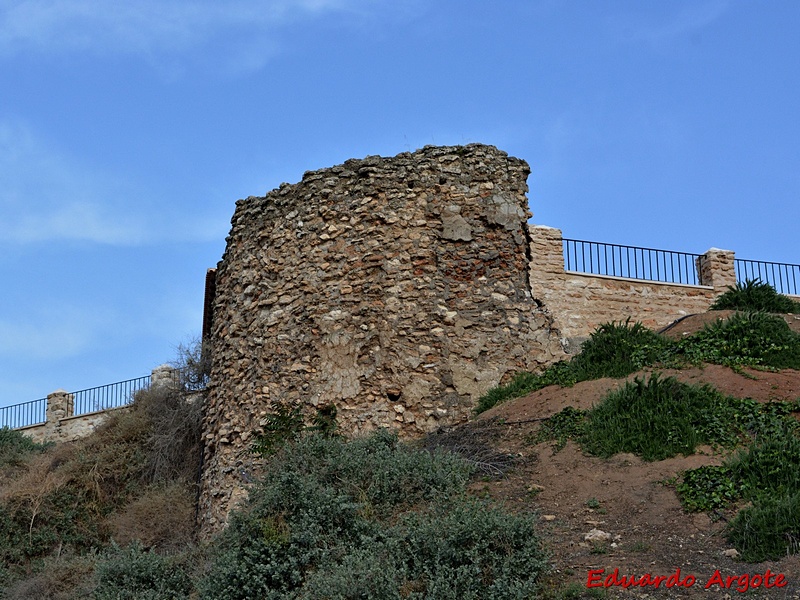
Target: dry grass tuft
162 519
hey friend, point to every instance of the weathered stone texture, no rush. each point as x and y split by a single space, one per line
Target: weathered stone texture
394 288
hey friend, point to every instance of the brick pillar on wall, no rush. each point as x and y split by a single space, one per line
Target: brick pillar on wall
716 269
546 269
60 405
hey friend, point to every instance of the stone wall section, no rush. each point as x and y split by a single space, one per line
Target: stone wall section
69 428
395 289
579 302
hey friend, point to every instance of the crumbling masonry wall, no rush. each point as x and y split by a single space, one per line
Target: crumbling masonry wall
395 289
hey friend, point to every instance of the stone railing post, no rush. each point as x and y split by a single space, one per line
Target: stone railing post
164 375
60 405
547 251
716 269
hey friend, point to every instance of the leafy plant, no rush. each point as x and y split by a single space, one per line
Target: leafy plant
755 295
136 574
657 418
619 349
569 423
283 424
613 350
15 447
769 529
708 488
371 518
753 338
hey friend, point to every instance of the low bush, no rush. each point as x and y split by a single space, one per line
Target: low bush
755 295
755 338
59 578
136 574
613 350
769 529
469 550
337 519
162 518
618 349
16 447
708 488
770 465
659 418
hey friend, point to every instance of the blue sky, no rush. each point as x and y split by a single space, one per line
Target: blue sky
129 129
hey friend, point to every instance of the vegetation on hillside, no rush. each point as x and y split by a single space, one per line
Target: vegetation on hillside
63 505
112 516
657 418
755 295
756 339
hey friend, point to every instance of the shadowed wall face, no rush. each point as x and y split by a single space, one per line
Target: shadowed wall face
395 289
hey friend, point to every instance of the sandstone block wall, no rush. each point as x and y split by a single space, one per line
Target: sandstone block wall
579 302
395 289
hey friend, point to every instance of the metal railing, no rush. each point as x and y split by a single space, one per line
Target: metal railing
631 262
23 415
108 396
782 276
104 397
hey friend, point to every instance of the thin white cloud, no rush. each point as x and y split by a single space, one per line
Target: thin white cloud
143 27
51 336
45 196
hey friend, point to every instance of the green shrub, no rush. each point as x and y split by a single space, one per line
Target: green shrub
136 574
613 350
470 550
569 423
15 447
755 295
657 419
770 465
754 338
767 530
708 488
617 350
331 519
366 572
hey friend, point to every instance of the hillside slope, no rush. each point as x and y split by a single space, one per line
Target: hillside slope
625 496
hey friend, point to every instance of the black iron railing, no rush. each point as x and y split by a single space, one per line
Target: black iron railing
96 399
598 258
783 277
108 396
22 415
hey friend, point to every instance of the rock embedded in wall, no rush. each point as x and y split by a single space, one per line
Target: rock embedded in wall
395 289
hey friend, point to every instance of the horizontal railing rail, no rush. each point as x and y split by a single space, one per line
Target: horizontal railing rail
104 397
783 277
24 415
631 262
108 396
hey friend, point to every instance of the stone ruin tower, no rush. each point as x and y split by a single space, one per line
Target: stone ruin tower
395 289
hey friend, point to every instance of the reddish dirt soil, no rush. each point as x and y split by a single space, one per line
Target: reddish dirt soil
630 499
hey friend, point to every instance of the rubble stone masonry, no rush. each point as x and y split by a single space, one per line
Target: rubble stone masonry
398 290
395 289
